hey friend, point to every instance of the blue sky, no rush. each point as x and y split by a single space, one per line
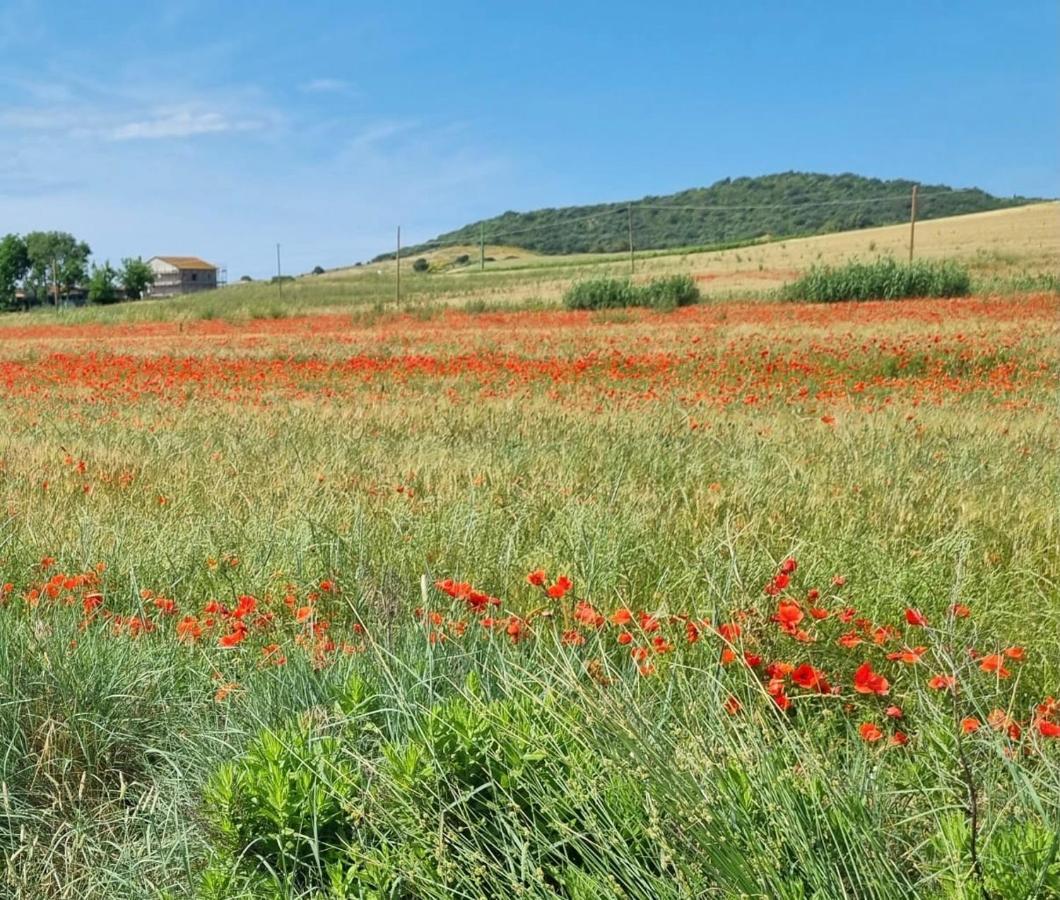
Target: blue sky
218 129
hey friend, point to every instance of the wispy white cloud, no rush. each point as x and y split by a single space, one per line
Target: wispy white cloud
181 123
326 86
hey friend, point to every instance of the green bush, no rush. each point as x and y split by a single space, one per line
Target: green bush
614 293
599 293
670 292
882 279
421 265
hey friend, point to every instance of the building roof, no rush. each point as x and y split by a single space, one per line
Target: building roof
186 262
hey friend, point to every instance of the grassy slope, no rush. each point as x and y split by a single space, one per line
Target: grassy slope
996 246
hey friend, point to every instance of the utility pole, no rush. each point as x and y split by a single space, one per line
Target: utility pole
279 273
629 220
912 223
482 247
397 259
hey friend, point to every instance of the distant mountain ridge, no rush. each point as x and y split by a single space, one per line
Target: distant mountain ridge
730 210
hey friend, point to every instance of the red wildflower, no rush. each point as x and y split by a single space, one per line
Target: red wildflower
870 732
1048 729
537 578
732 705
806 676
625 638
941 682
893 712
899 739
960 611
915 617
560 588
621 617
970 725
868 682
995 663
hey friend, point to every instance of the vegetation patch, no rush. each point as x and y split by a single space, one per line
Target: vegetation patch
615 293
881 279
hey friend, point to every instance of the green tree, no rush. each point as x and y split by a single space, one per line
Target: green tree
102 285
56 258
136 277
14 263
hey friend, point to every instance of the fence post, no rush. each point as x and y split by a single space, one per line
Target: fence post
397 259
629 221
912 223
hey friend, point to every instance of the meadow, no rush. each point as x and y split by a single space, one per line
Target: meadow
742 599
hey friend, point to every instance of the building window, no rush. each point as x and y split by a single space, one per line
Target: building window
194 276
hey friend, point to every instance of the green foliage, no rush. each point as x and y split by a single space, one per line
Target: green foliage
617 293
55 257
102 285
297 810
599 293
882 279
286 806
669 292
733 210
14 263
136 277
421 265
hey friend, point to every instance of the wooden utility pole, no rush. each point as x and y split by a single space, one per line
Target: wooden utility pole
912 223
279 271
397 259
482 247
629 222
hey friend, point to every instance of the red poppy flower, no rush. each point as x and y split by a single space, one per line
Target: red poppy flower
1015 653
915 617
729 631
899 739
560 588
806 676
732 705
970 725
625 638
941 682
537 578
893 712
995 662
621 617
1048 729
870 732
868 682
960 611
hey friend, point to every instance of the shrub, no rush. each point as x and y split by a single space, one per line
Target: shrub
670 292
613 293
882 279
421 265
318 270
599 293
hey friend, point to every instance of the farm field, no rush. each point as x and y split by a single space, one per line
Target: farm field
1005 251
745 599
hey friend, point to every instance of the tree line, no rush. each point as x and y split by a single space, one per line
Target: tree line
47 266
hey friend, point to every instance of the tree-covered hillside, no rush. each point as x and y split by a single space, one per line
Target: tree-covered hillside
737 209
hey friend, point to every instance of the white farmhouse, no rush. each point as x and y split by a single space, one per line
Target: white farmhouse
181 275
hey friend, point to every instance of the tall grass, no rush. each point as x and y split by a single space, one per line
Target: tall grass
882 279
486 768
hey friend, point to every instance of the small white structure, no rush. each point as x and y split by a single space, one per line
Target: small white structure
181 275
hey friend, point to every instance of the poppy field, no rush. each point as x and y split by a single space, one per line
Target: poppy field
743 599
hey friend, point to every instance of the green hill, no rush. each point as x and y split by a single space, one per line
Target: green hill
731 210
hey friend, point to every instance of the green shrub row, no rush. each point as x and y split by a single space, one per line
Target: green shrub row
882 279
613 293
